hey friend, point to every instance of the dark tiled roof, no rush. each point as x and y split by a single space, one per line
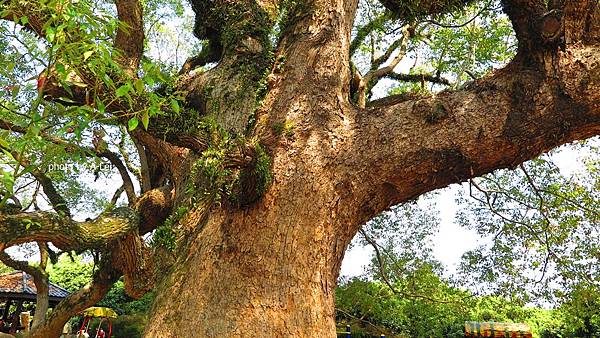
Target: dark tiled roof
19 282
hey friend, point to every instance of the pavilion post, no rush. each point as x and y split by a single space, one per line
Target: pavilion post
6 309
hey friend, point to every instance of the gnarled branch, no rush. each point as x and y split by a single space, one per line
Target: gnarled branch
498 122
64 233
14 10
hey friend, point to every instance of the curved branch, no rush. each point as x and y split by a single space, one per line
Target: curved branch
168 155
380 260
19 265
127 183
211 52
398 43
497 122
123 252
155 206
56 200
368 81
145 181
384 275
117 195
126 159
64 233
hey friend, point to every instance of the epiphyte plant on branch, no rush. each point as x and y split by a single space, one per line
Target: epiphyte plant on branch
250 223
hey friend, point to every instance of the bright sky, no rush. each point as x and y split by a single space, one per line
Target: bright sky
452 240
449 244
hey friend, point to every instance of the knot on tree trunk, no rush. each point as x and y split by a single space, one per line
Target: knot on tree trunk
551 27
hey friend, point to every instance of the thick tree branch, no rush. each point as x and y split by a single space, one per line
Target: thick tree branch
211 52
154 206
64 233
316 52
167 155
19 265
115 231
395 99
238 32
135 260
525 16
42 286
498 122
581 20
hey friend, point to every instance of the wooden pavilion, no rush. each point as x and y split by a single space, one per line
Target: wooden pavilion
17 294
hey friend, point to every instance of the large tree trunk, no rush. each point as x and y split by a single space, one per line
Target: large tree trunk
252 274
266 271
270 269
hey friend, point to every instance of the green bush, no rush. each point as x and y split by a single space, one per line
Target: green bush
129 326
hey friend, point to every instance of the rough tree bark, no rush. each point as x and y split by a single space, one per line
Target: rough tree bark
271 269
262 259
